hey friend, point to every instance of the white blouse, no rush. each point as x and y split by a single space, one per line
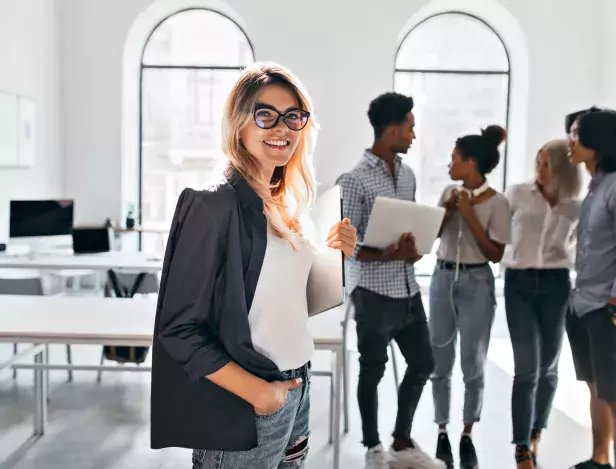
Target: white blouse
278 315
543 237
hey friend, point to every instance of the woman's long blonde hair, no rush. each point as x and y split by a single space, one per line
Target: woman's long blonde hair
292 188
566 176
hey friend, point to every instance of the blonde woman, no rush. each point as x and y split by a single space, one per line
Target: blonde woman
537 287
231 348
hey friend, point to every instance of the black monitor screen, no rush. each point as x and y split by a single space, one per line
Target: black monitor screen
40 218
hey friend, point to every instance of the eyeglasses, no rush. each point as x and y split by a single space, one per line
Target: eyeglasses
266 117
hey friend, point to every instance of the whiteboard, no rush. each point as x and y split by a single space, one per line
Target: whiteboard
26 136
18 130
8 130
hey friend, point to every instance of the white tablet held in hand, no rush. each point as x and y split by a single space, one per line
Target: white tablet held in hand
392 217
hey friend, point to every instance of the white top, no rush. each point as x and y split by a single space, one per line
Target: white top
543 237
278 316
493 214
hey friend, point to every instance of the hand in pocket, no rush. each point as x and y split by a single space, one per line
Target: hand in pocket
276 396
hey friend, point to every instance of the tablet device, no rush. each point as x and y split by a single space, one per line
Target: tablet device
392 217
325 289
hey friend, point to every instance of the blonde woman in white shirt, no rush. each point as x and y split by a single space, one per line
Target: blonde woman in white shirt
537 287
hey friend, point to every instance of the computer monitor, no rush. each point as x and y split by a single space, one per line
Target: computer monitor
44 222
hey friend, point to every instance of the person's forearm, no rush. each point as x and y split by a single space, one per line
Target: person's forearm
376 255
240 382
489 248
372 255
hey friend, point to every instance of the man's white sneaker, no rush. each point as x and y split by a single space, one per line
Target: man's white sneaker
413 458
376 458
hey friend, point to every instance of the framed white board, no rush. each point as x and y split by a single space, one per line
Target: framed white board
8 129
18 131
26 136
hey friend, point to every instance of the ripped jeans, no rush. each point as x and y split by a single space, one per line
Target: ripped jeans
282 436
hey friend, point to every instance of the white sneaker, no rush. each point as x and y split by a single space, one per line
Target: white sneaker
376 458
413 458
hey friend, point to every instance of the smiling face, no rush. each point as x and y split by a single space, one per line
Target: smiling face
273 147
579 153
573 136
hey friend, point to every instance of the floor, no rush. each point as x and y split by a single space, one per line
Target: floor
105 426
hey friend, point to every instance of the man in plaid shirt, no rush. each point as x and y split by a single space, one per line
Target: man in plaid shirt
383 288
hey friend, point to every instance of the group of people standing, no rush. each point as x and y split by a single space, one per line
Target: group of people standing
232 349
534 230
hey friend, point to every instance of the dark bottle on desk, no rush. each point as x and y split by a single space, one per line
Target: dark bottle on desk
130 218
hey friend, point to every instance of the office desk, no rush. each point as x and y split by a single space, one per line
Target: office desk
43 320
117 260
77 320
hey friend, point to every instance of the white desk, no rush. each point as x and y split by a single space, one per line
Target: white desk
77 320
43 320
124 261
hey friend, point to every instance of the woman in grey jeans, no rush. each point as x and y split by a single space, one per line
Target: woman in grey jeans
232 348
474 233
537 287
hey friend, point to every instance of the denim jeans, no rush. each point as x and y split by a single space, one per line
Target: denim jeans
282 436
380 320
536 302
465 306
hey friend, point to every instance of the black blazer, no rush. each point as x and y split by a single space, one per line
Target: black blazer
212 263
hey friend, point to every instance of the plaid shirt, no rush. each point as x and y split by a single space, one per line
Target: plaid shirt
369 179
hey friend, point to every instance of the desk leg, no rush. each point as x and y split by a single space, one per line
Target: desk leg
345 384
40 395
338 377
47 372
332 405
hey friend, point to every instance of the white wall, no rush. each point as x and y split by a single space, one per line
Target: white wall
566 62
345 60
609 55
92 36
29 67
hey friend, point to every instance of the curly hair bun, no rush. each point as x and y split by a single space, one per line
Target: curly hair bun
495 134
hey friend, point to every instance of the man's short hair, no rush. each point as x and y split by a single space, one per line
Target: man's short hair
387 109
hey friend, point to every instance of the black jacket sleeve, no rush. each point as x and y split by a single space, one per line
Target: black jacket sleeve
193 260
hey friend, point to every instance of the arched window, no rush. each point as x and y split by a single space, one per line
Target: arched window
189 64
457 70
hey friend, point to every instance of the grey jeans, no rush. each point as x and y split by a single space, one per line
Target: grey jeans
466 307
282 437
